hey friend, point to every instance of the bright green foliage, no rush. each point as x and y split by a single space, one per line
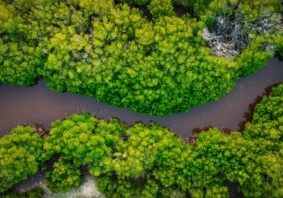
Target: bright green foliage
270 108
84 140
150 161
115 53
263 174
257 171
261 46
63 176
40 18
201 170
7 17
161 8
20 156
199 6
268 134
150 74
256 8
22 58
242 154
243 166
216 191
19 62
67 50
253 56
149 152
277 91
278 41
138 154
140 187
80 140
266 125
135 2
169 162
99 7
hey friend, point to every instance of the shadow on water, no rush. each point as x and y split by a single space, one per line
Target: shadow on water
37 104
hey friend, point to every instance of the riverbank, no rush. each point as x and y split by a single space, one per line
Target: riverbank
37 104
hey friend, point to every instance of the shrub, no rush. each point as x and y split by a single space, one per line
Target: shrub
19 62
199 6
136 2
253 55
146 158
32 193
114 53
84 141
63 176
138 154
20 156
263 173
255 169
201 170
256 8
99 7
150 161
270 107
161 8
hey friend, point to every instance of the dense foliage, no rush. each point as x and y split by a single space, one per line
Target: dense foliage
136 53
81 140
150 161
63 176
20 156
32 193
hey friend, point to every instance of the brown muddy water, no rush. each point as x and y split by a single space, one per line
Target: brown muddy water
38 104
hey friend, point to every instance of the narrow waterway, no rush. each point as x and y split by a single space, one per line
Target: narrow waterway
38 104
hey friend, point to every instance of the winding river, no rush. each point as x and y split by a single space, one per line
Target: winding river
38 104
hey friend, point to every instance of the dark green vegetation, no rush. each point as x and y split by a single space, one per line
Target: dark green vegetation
150 161
33 193
138 53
